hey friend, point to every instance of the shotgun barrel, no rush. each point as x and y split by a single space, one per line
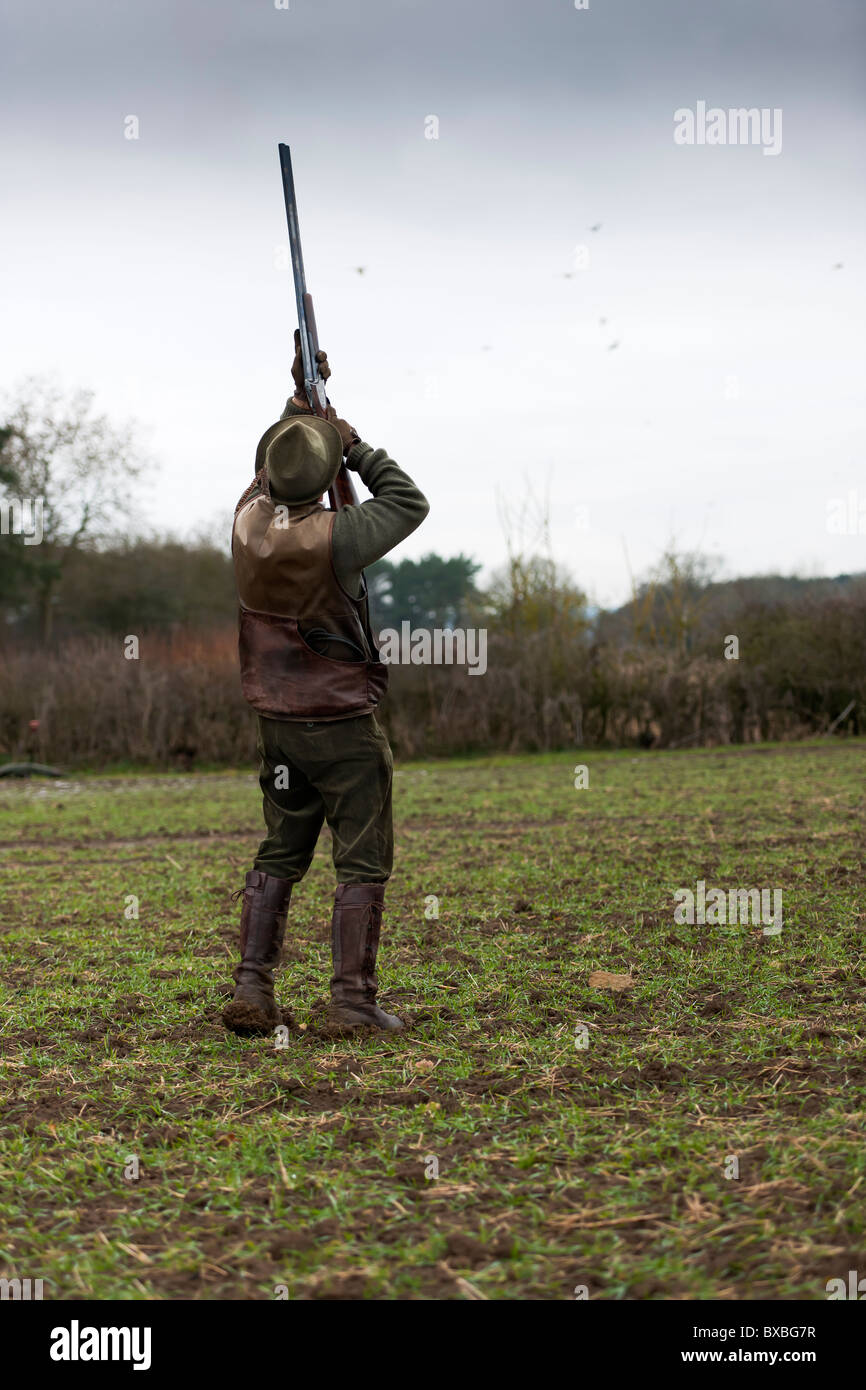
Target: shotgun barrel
313 382
342 494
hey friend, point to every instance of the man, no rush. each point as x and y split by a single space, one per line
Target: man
310 669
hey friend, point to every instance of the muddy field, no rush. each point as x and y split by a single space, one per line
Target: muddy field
691 1128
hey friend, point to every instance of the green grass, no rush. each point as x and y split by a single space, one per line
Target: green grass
559 1166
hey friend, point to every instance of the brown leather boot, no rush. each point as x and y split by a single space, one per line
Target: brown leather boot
355 928
263 926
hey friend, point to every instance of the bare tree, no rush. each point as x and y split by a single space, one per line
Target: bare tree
667 604
77 467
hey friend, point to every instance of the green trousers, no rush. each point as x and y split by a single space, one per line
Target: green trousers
339 772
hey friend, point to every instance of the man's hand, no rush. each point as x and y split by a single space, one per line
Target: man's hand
348 433
298 370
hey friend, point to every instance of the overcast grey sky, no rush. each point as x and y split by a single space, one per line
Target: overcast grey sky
477 345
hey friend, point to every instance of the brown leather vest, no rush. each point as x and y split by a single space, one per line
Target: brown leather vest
306 649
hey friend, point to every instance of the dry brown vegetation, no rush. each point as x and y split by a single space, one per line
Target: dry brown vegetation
550 683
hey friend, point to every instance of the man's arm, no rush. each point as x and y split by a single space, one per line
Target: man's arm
293 408
365 533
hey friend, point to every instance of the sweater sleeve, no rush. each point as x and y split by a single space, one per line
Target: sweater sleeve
365 533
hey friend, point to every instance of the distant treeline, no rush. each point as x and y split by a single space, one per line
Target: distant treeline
117 650
686 662
161 586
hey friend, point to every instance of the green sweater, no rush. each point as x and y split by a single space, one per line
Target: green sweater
364 534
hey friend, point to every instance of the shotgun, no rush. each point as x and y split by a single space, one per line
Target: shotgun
342 494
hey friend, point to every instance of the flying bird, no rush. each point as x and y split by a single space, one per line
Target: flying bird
596 228
360 269
612 346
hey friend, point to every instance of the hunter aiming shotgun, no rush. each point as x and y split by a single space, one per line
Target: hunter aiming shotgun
311 670
342 494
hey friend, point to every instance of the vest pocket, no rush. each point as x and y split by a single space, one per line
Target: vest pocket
346 649
283 676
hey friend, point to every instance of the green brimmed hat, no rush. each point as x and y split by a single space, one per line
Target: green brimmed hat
302 455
